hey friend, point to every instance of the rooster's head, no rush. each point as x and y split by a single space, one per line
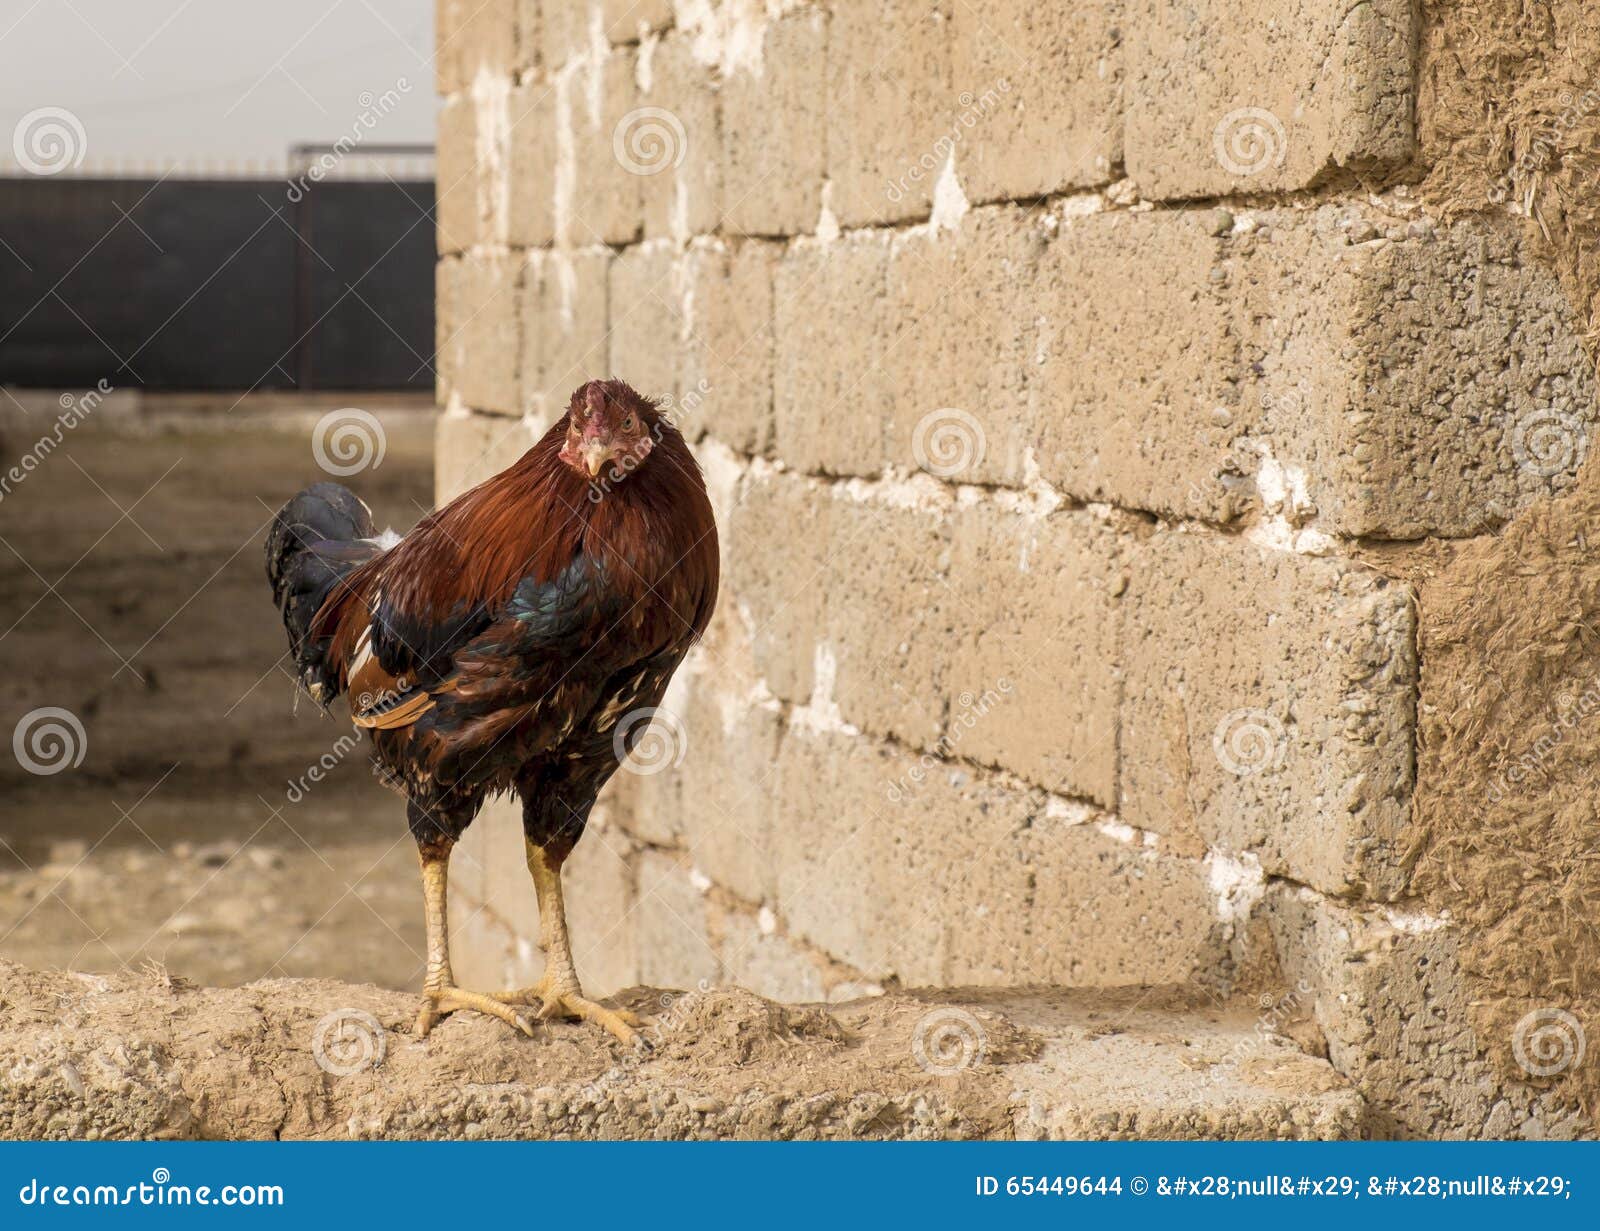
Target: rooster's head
609 424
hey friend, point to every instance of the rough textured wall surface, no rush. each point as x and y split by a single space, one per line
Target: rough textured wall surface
1510 126
1509 116
1132 427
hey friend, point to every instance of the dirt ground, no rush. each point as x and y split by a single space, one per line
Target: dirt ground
132 595
146 1056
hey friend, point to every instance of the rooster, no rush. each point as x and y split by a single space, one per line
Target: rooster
498 646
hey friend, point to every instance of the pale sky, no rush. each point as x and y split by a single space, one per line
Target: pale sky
216 79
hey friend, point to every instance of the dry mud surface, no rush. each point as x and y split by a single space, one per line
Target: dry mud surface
145 1056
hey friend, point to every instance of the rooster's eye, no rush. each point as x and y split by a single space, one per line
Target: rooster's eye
627 424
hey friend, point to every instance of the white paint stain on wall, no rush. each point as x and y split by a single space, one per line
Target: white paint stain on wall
950 204
565 179
491 104
1284 500
1238 883
821 715
730 34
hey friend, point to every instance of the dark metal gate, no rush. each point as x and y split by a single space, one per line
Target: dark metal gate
314 282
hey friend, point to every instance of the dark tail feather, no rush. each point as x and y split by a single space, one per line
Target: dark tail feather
316 540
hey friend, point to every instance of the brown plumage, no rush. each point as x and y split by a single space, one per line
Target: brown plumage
503 643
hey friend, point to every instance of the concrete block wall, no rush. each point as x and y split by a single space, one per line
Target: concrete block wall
1076 385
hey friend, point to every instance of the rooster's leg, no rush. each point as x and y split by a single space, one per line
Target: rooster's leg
558 993
440 995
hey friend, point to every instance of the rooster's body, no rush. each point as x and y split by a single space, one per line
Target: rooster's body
500 645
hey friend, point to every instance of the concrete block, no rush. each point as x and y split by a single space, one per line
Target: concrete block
1389 994
1332 367
766 962
1353 360
471 448
1039 96
845 600
456 182
652 807
955 364
477 328
533 166
530 34
596 108
988 886
728 369
1269 707
647 296
858 882
887 617
627 20
567 30
1106 909
474 165
1033 677
775 548
1138 424
671 920
1237 96
472 37
564 327
772 124
672 142
1470 332
721 803
833 331
886 60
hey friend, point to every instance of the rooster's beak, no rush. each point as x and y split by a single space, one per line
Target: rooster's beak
595 455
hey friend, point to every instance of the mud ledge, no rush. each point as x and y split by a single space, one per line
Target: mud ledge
146 1056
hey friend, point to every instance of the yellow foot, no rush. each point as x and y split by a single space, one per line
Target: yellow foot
437 1003
619 1023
